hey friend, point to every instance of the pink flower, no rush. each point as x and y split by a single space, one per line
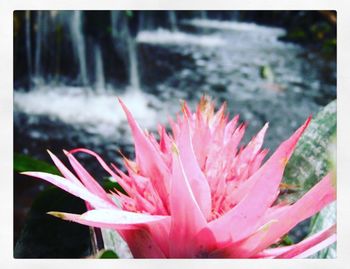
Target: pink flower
194 194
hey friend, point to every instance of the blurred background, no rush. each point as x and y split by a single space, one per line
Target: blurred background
69 67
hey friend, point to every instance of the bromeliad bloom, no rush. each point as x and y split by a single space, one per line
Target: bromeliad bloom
195 194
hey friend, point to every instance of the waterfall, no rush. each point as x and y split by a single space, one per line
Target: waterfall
173 20
38 41
133 68
79 44
146 21
114 22
28 46
235 15
99 74
203 14
125 44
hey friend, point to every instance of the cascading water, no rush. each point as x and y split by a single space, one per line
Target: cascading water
99 73
28 46
39 25
79 44
203 14
134 73
173 20
125 43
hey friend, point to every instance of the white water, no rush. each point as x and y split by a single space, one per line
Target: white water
232 25
165 37
97 113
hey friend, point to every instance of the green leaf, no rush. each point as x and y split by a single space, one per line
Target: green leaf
23 163
107 254
313 158
266 73
44 236
310 161
110 185
113 241
321 221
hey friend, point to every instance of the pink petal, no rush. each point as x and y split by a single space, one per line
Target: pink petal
312 202
186 216
120 179
74 189
89 182
142 244
260 193
204 243
253 147
311 245
198 182
160 234
303 249
110 218
64 170
148 158
99 159
230 128
283 219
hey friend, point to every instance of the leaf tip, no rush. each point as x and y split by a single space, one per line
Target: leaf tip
57 214
175 149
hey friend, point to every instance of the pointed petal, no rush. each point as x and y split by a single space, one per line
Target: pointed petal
283 219
230 128
312 202
160 234
72 188
197 180
110 218
89 182
252 149
303 249
142 245
99 159
260 192
120 179
243 248
64 170
148 158
204 243
311 245
186 217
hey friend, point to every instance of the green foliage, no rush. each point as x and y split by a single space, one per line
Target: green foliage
53 199
107 254
110 184
297 34
44 236
266 73
24 163
312 160
321 221
285 241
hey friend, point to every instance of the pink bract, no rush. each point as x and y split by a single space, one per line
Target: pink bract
195 194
